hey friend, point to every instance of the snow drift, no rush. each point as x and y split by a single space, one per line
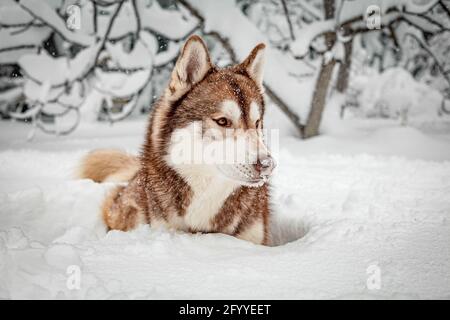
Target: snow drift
343 207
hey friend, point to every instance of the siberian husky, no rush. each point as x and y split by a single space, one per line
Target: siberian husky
173 184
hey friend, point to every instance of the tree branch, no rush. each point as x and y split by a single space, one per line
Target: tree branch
428 50
138 19
288 19
25 46
101 46
444 7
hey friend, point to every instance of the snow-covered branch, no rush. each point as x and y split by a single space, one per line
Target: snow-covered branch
102 68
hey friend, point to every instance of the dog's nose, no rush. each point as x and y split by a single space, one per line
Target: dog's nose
264 166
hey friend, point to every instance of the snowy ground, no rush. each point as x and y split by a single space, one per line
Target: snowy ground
366 199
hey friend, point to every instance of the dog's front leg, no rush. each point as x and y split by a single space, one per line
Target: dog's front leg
255 232
121 209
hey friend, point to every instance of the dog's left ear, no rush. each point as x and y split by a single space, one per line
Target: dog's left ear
254 64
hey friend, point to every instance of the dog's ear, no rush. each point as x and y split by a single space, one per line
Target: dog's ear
192 66
254 64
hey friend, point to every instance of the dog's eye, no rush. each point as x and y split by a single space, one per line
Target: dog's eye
223 122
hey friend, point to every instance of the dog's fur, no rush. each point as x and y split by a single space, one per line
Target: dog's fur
193 197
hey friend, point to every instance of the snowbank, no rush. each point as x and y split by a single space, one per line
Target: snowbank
339 214
395 93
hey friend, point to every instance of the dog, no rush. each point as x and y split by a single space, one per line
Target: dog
203 108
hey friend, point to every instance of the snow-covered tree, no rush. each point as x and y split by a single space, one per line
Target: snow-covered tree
384 26
93 59
114 57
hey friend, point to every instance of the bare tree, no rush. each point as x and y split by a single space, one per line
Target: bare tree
345 64
323 81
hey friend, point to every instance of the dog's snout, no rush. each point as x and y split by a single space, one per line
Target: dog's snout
264 166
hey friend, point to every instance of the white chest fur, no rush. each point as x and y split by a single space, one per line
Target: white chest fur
209 189
209 195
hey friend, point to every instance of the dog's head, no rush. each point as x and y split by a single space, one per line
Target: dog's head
214 117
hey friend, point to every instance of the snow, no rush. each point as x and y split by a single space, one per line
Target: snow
32 36
152 17
9 95
367 197
12 14
366 194
352 9
139 57
155 18
170 54
300 47
36 66
120 84
11 56
395 93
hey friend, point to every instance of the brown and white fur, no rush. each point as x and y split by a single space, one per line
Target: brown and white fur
201 104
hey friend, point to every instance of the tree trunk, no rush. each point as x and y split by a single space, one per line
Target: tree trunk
344 68
288 19
311 128
319 99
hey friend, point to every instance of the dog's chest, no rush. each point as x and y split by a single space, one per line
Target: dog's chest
209 195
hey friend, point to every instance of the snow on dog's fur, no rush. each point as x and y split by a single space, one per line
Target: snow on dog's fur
172 183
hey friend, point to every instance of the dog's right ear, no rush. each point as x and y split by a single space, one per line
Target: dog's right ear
254 64
192 66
